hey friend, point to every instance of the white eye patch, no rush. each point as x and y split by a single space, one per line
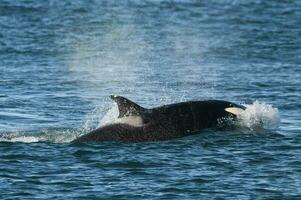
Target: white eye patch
234 110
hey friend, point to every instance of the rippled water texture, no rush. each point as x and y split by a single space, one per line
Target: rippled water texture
60 60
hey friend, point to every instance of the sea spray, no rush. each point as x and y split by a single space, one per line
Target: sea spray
110 116
259 115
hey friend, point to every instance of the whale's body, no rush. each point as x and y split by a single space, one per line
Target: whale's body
138 124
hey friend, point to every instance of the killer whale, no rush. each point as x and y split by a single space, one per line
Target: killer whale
138 124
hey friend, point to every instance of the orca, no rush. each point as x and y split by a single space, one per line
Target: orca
138 124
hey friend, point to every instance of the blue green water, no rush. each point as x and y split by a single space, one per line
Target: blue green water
60 60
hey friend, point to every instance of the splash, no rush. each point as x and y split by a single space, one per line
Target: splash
110 116
259 115
98 117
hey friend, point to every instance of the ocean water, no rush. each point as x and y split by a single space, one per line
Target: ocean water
60 61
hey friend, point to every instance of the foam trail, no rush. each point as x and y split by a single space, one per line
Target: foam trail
53 136
259 115
98 117
23 139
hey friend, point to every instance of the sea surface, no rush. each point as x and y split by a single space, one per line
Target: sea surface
60 61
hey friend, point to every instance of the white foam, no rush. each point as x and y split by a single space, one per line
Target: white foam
18 137
55 136
24 139
259 115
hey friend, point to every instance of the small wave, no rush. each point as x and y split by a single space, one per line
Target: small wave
259 115
53 136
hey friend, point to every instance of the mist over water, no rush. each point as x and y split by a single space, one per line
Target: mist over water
60 61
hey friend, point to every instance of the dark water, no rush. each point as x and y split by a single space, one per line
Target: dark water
60 60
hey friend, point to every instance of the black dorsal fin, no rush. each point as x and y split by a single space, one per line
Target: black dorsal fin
126 107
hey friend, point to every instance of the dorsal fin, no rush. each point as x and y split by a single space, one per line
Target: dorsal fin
126 107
